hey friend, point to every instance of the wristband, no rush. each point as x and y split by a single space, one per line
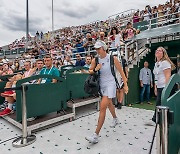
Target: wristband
94 71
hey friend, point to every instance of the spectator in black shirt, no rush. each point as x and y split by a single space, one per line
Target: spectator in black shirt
79 61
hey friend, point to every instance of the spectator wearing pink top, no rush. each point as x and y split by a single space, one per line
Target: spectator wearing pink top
29 71
130 31
136 17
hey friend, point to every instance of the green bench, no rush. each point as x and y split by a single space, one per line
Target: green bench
41 99
65 68
75 83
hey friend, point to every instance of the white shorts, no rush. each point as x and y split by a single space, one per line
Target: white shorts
108 90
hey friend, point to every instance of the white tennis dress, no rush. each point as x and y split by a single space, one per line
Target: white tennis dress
107 81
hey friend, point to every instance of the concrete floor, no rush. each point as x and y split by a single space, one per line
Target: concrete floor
132 136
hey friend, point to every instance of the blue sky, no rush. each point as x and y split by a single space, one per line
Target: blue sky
66 13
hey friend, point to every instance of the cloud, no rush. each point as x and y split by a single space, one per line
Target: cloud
17 22
73 10
66 13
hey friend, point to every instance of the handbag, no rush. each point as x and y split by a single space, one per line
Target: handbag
91 85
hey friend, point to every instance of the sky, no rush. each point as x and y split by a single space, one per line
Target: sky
66 13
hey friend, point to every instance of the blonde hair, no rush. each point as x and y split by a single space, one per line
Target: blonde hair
166 57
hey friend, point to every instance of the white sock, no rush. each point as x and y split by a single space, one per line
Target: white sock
10 106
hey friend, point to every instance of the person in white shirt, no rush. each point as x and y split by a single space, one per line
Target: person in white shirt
107 86
162 73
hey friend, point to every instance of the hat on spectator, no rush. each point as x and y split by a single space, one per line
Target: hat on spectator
100 44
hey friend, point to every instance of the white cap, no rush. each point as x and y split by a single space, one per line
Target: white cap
100 44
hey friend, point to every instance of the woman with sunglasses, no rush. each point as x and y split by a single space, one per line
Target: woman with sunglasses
162 73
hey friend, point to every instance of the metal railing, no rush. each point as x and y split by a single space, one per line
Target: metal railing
161 21
125 19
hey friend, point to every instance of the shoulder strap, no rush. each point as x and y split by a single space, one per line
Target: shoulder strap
96 60
112 70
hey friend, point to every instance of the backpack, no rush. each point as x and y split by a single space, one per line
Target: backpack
91 85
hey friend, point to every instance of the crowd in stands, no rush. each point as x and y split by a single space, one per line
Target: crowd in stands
80 39
65 45
162 12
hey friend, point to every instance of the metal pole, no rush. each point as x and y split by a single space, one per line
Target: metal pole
126 52
25 139
158 133
149 28
24 118
163 129
52 15
137 55
27 23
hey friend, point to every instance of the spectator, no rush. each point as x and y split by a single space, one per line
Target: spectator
10 96
154 12
88 61
41 35
160 15
6 69
59 63
146 16
28 71
68 51
11 65
102 37
162 73
88 42
39 66
68 61
145 78
79 61
36 52
49 70
37 35
115 38
136 17
79 45
5 60
130 31
16 63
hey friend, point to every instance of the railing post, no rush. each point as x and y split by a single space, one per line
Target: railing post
162 136
126 52
137 54
25 139
149 28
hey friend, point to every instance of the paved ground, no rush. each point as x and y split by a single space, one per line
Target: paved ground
132 136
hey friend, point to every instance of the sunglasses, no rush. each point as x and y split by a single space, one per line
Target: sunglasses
159 51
